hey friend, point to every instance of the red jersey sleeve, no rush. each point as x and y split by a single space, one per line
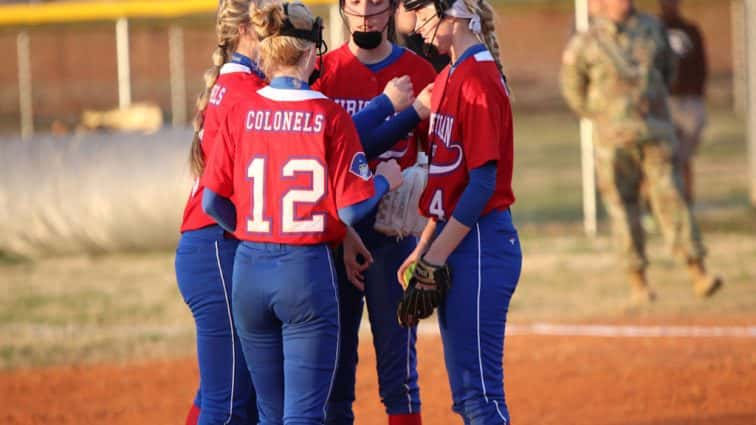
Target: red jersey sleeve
347 164
481 105
219 168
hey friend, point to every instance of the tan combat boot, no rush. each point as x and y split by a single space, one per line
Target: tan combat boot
642 293
704 284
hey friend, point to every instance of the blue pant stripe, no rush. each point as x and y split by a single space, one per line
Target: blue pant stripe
338 331
231 326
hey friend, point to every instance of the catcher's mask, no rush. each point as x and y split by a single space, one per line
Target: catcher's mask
369 40
315 34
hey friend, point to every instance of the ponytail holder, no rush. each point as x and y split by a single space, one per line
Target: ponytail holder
475 24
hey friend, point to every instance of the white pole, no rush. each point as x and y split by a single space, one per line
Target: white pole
122 56
178 76
750 24
586 143
336 33
25 85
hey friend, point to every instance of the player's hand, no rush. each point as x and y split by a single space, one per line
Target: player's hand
400 93
392 172
426 289
405 271
357 258
423 102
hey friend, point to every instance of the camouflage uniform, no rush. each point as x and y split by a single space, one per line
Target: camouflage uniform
617 76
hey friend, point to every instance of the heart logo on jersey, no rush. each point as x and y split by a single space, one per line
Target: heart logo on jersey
448 167
446 155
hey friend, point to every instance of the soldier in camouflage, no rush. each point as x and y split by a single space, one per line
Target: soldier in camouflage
616 74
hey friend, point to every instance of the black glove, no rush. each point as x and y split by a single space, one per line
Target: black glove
418 302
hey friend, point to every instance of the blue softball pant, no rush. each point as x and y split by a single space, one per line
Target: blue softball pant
285 301
204 263
394 345
485 270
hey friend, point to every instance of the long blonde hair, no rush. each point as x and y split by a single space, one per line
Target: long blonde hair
276 50
487 26
232 16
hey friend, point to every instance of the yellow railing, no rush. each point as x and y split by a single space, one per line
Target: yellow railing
79 11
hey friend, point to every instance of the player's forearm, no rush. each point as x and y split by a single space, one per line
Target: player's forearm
471 204
446 242
372 115
354 213
390 132
426 237
221 209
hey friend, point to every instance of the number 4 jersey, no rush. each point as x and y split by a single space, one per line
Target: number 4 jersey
470 125
289 159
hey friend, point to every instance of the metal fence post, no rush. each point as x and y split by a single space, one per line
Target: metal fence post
124 67
586 143
25 100
178 74
750 60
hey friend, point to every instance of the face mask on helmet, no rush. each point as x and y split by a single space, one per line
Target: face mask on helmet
369 39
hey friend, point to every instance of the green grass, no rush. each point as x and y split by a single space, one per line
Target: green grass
127 306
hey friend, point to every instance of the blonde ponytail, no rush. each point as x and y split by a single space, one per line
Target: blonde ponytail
487 26
232 15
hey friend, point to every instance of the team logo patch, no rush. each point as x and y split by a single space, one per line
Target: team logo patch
360 166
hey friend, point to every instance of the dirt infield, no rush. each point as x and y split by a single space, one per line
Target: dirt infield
549 380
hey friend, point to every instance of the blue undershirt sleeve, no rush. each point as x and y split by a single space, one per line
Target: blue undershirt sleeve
476 195
221 209
372 115
354 213
378 134
389 132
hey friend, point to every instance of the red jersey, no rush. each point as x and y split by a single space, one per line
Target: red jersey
234 83
470 125
289 159
352 84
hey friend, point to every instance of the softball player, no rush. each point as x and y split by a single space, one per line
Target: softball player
351 75
286 171
467 197
205 254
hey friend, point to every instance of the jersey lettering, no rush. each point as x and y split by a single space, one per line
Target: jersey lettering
437 205
256 174
284 121
352 106
216 94
310 195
